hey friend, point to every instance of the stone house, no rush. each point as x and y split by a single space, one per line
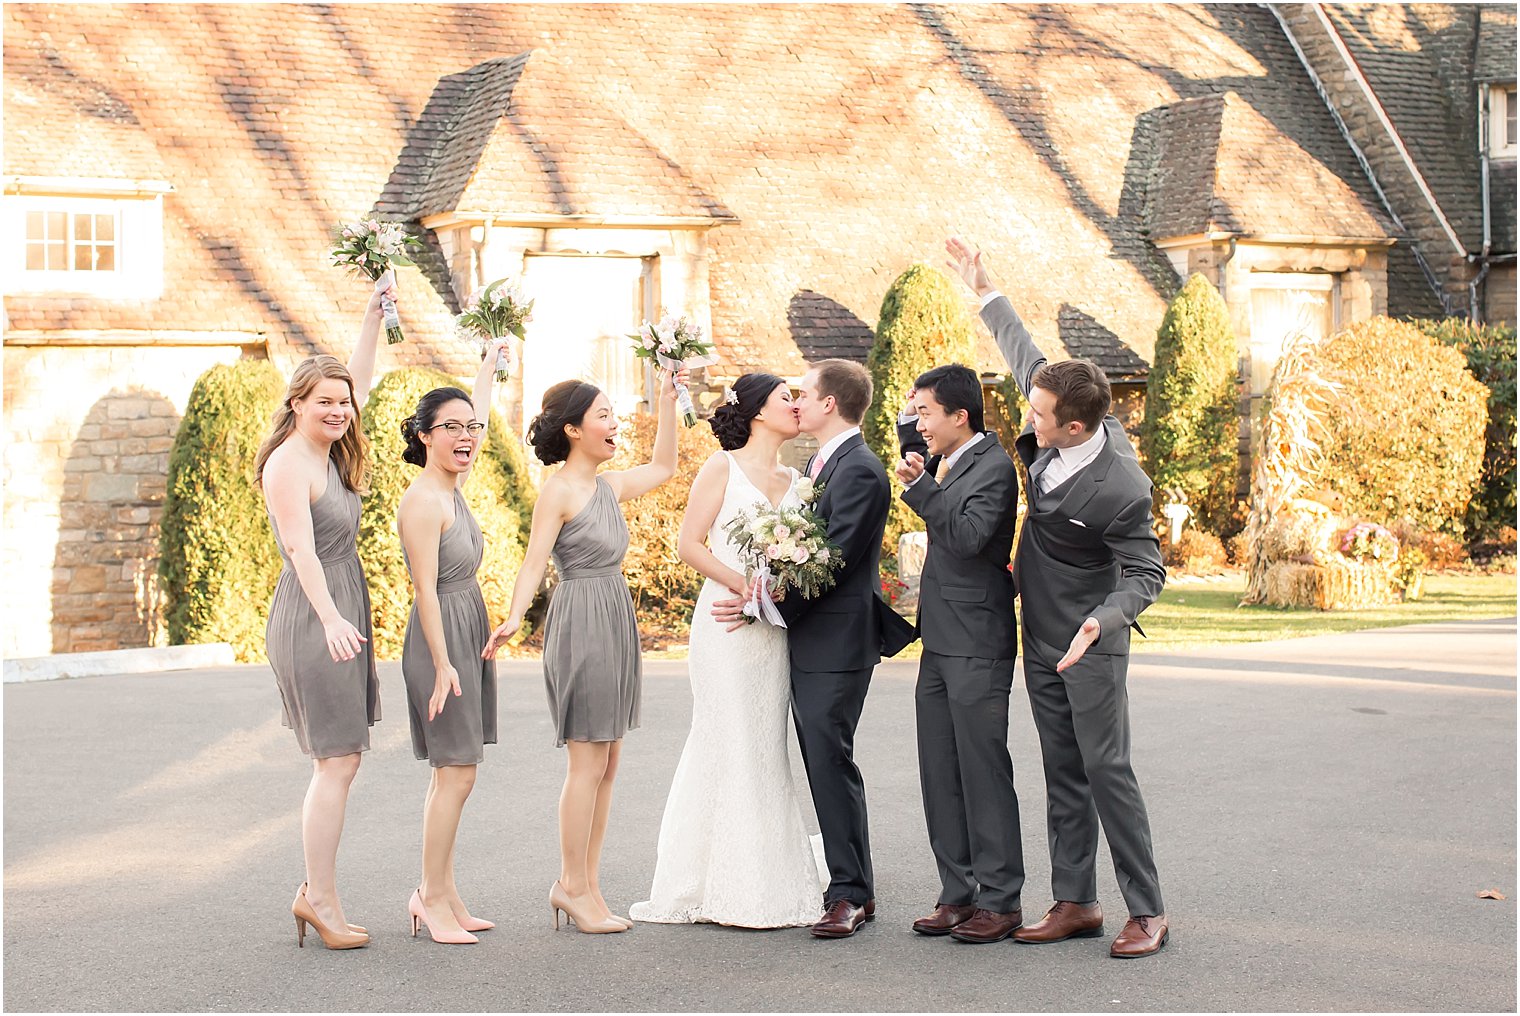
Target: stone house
172 174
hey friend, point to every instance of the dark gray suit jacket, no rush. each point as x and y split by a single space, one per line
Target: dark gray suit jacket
965 600
1092 552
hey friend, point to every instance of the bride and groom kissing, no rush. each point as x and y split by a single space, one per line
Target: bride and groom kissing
733 848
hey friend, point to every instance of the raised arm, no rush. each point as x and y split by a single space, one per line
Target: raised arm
628 484
480 401
1013 339
288 495
361 365
420 522
702 507
548 518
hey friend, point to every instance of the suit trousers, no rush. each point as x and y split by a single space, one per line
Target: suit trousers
967 778
1082 717
826 709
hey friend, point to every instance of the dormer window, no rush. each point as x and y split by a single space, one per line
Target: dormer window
87 238
1501 121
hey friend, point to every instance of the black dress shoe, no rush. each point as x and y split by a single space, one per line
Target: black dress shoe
842 919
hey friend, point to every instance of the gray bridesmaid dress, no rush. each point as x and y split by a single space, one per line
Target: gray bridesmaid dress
456 736
592 667
329 704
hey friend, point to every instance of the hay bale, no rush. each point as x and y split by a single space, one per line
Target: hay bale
1335 583
1303 531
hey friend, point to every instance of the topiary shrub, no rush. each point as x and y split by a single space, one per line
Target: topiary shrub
1490 353
923 324
500 495
1189 437
664 587
1406 432
218 562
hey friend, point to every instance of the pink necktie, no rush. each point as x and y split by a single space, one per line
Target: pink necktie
816 467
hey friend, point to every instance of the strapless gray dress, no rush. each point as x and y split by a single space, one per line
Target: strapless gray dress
330 705
456 736
592 667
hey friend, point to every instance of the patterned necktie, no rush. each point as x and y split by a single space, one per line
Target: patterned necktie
942 470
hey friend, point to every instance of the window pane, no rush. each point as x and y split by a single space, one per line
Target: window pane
36 257
105 227
35 226
84 257
105 259
57 225
1509 117
58 257
83 230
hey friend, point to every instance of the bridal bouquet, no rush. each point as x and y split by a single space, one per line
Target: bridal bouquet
674 343
499 309
791 550
370 247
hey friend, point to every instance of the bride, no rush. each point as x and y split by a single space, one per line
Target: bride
733 849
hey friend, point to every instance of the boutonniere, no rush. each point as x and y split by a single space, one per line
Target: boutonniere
809 490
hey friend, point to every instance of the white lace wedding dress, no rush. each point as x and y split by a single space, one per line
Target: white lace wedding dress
733 849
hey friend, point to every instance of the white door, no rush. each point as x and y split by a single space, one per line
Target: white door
1284 304
584 309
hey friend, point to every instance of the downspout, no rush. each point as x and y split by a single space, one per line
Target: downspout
1356 150
1485 124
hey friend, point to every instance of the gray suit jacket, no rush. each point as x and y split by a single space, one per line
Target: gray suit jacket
965 605
1094 552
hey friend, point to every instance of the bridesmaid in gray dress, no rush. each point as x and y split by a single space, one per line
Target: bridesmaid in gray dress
312 469
591 636
450 690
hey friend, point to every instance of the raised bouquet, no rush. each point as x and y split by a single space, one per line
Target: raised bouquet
674 343
370 247
499 309
790 549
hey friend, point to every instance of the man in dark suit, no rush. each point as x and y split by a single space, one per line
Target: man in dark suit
1088 563
837 639
967 494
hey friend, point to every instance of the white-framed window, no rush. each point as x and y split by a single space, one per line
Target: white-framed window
1284 304
69 244
1501 121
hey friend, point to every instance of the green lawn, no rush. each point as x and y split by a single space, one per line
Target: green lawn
1207 613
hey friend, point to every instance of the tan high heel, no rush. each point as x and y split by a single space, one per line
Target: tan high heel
305 915
352 927
561 901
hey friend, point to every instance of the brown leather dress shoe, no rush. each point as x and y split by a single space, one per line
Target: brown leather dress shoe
842 919
1142 935
944 919
1062 921
984 926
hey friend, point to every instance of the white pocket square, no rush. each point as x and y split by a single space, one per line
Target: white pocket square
1079 522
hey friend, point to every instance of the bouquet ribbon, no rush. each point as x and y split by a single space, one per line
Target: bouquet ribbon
683 396
760 605
384 281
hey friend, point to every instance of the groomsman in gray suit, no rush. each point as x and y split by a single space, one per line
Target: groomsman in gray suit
967 493
1088 563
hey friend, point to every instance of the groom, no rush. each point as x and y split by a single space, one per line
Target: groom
837 639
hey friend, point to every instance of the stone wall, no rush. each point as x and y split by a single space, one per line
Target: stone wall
88 431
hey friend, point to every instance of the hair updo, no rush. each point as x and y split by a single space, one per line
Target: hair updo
565 404
422 420
731 420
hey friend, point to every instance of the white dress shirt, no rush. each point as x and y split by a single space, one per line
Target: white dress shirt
834 442
1071 461
949 463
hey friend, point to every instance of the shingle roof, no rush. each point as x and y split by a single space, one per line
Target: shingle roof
1222 166
1495 59
847 139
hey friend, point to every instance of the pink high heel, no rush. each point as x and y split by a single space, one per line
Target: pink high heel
476 924
419 917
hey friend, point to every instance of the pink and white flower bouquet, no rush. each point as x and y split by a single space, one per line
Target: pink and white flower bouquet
675 343
370 247
500 309
790 548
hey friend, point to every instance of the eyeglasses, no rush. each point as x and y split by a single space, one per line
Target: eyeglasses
454 428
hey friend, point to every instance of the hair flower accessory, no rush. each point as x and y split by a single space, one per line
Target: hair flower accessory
730 396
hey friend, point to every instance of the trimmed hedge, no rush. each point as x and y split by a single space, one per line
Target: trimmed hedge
1189 437
499 493
923 324
1406 430
218 561
665 589
1490 353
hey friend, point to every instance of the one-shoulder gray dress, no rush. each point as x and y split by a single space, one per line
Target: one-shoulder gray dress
330 705
456 736
592 667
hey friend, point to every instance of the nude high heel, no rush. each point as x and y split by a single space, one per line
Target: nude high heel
306 915
572 907
419 917
359 929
